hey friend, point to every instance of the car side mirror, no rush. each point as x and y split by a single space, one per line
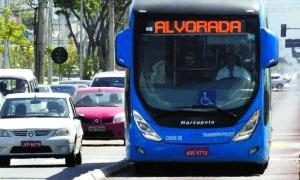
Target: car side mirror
268 48
124 48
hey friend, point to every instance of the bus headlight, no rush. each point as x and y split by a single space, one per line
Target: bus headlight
248 129
144 127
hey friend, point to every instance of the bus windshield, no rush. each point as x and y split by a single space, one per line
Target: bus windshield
189 66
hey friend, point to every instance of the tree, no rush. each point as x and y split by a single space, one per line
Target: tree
95 24
21 48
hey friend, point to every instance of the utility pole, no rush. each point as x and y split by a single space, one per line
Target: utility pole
40 48
81 41
50 14
6 46
111 37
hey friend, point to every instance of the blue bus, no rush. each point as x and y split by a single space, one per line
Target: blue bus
198 81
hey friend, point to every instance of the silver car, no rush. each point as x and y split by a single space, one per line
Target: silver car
40 125
277 82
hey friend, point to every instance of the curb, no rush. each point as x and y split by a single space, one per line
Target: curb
103 172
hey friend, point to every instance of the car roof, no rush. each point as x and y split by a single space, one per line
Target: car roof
101 89
43 85
64 85
110 74
38 95
76 81
25 74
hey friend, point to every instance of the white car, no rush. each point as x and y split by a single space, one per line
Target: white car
40 125
109 79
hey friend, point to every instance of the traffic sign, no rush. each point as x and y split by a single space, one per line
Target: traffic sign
59 55
290 43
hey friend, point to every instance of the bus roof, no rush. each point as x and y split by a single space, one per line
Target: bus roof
199 7
25 74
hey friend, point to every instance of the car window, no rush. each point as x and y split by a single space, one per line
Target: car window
64 89
108 82
99 99
35 107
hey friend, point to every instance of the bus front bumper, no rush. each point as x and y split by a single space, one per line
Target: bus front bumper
232 152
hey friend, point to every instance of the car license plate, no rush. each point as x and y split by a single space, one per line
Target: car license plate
96 128
31 144
196 152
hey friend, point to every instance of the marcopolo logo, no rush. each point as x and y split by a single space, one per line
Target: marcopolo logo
196 123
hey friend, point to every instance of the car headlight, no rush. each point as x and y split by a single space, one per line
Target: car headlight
119 118
4 133
248 129
62 132
145 128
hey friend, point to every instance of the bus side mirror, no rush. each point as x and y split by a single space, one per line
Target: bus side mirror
268 48
124 48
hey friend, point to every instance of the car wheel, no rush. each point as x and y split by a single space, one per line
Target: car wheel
279 86
71 160
4 162
78 158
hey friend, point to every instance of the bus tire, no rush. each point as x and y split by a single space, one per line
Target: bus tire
142 167
260 168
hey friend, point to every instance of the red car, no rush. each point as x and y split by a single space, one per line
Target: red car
103 111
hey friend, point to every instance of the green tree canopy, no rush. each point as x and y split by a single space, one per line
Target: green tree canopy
95 24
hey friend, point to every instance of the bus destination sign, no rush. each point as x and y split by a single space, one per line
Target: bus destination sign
196 26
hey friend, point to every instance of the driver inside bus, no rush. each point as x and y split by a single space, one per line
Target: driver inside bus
231 69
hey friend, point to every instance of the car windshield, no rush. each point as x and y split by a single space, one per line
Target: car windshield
108 82
44 89
64 89
35 107
88 99
183 71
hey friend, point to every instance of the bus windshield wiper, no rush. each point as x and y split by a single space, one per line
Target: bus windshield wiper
203 108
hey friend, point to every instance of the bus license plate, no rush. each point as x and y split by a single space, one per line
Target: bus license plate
31 144
96 128
196 152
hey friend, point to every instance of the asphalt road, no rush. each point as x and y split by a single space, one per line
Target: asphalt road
284 158
95 154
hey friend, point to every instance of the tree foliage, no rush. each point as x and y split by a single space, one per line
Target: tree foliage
95 24
21 49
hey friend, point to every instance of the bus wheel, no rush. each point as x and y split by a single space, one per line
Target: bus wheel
143 167
260 168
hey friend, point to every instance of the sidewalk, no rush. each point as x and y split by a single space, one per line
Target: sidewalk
103 172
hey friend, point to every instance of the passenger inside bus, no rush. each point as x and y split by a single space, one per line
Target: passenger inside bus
232 69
